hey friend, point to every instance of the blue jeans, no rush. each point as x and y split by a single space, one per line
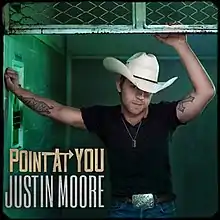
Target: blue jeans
120 209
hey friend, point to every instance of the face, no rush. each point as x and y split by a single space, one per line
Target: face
134 100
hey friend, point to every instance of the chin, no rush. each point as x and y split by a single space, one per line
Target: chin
136 111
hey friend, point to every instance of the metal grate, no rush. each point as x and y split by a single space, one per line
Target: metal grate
71 13
88 17
187 13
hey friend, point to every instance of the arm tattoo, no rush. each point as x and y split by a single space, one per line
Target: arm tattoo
38 106
181 106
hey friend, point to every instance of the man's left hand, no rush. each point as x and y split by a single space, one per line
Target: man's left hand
172 39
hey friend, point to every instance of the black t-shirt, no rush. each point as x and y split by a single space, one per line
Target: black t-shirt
145 168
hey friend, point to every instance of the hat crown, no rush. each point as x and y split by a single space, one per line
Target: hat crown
144 65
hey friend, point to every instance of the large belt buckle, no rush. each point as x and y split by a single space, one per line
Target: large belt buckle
144 201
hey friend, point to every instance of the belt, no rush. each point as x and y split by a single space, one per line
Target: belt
145 200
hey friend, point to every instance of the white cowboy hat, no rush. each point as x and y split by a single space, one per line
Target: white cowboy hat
141 69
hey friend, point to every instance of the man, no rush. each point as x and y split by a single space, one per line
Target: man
136 133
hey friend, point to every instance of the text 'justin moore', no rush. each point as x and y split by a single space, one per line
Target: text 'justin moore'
87 160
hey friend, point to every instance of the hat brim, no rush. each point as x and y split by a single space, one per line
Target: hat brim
114 65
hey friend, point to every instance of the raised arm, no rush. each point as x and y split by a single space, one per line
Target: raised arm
43 106
203 88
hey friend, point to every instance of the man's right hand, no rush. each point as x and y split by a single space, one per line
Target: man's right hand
11 79
47 107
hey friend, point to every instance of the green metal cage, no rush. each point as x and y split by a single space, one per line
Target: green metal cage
109 17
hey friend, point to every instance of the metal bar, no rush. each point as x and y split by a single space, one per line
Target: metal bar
111 29
133 14
70 29
6 18
69 26
182 28
140 14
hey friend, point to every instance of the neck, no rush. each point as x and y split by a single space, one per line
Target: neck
133 119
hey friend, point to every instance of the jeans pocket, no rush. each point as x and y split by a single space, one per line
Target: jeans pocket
167 207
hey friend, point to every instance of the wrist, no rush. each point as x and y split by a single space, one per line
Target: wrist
16 90
181 46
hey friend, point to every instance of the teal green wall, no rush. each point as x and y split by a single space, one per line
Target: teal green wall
193 152
123 45
44 75
194 148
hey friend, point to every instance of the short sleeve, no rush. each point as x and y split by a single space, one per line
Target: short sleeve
93 118
169 112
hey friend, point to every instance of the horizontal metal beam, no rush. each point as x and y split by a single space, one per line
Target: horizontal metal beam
110 29
182 28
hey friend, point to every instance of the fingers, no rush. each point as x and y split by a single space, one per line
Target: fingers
157 36
11 73
166 35
11 79
161 37
8 82
170 23
8 79
173 23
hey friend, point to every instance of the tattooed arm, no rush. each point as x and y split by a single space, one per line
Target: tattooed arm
43 106
203 88
50 108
